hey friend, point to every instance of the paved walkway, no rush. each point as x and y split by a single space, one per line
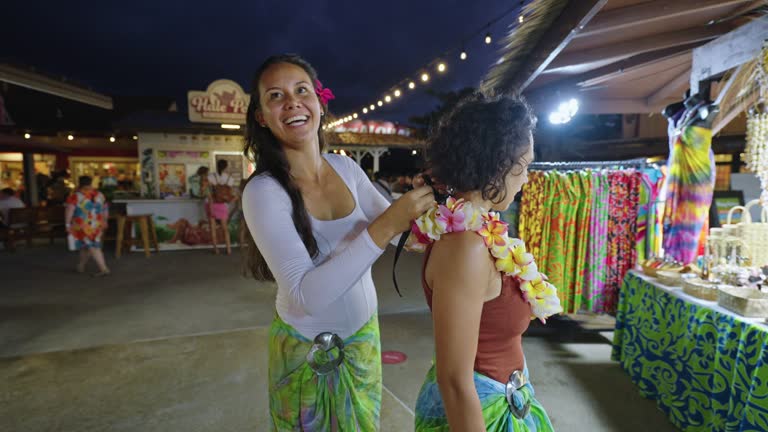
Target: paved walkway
177 342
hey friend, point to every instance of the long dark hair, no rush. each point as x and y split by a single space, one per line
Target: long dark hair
267 153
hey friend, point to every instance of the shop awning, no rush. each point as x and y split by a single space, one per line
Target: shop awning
615 56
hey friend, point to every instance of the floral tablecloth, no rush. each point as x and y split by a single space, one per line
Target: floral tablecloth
706 367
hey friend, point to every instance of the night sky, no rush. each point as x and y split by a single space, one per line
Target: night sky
166 48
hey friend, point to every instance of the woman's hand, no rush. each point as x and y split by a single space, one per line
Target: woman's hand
400 215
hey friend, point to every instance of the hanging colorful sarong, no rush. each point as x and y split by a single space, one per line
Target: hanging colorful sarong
690 185
598 244
308 391
497 413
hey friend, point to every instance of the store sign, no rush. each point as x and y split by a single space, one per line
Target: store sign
374 127
223 102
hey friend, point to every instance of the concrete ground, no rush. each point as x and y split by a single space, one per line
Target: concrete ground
177 342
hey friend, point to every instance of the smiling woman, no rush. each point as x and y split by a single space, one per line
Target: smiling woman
317 224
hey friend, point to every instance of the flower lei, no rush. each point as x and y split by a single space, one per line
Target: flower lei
324 94
511 256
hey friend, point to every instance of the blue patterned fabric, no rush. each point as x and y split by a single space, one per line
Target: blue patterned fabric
707 370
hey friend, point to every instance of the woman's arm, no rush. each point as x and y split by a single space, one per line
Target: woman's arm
68 213
463 273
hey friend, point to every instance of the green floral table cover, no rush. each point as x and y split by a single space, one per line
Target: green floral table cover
705 367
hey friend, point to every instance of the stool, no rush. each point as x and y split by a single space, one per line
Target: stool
147 230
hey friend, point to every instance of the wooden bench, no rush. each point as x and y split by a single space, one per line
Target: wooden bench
33 222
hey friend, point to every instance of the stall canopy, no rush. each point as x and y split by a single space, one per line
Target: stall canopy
615 56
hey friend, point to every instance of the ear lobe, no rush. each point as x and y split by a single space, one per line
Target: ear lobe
260 117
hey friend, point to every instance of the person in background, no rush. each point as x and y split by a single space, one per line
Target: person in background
86 220
8 201
222 194
198 183
381 185
58 191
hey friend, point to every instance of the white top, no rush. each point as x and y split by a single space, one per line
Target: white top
333 292
6 204
225 179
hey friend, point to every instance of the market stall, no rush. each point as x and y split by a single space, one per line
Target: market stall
172 151
681 329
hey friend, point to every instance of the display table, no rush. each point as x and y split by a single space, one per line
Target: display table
706 367
179 223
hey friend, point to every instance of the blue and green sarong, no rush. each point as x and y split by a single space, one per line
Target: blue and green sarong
347 398
431 417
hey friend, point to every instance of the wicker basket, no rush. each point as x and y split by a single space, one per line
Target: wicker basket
701 289
747 302
755 235
669 277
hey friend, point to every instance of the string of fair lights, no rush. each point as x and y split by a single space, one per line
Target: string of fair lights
422 75
409 84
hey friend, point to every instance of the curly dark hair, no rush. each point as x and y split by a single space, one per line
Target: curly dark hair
479 142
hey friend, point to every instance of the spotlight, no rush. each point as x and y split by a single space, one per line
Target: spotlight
565 112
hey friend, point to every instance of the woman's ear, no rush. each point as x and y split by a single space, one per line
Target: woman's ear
260 118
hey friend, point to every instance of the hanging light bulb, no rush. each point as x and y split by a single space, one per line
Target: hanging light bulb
411 85
441 67
463 55
111 139
27 136
520 19
387 99
488 39
379 103
425 77
365 110
354 115
70 137
397 93
372 107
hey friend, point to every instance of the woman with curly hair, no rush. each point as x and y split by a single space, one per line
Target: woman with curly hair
482 287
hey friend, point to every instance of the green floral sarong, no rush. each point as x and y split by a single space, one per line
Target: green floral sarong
346 399
431 417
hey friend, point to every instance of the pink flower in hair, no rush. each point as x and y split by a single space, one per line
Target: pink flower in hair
324 94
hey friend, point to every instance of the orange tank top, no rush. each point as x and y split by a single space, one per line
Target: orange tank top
502 324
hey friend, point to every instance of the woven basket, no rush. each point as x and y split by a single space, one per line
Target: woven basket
755 235
747 302
701 289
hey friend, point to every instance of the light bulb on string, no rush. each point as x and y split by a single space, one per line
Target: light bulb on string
411 85
354 115
387 99
379 103
112 139
365 110
520 19
425 77
70 137
397 93
441 67
373 107
463 55
488 39
27 136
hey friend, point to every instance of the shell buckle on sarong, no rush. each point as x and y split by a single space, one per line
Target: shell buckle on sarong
516 381
325 342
